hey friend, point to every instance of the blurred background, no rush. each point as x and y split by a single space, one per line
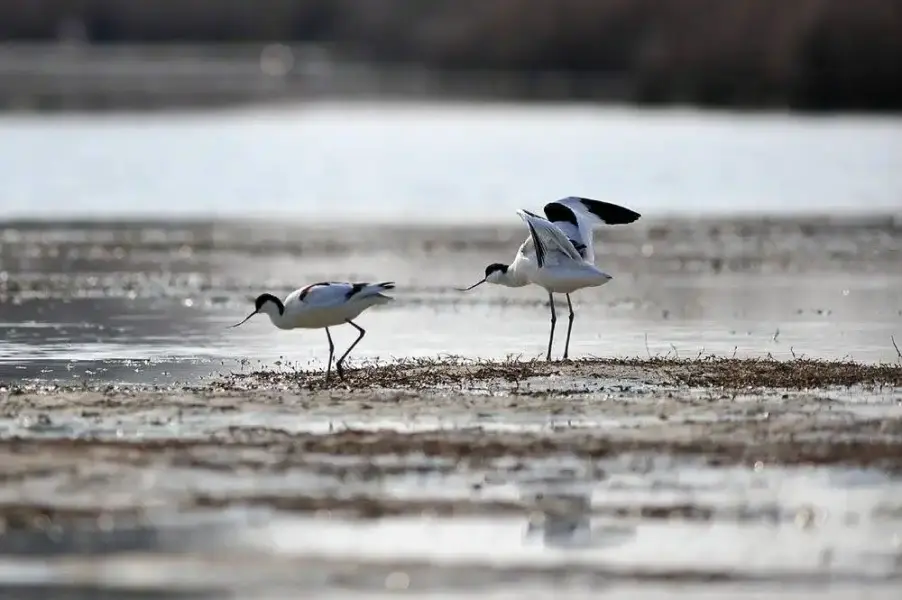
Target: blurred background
809 54
452 109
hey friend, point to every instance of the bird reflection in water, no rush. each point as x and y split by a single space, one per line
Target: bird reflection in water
564 520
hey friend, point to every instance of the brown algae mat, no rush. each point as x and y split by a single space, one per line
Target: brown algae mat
460 373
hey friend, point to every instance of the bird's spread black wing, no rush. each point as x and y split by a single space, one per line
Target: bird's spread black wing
560 213
606 212
575 217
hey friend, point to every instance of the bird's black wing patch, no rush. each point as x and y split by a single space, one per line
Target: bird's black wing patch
611 214
540 249
581 248
355 289
558 213
307 289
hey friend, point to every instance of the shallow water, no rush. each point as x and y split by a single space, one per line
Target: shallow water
444 163
173 326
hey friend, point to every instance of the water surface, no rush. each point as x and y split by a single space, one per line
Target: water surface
158 307
439 163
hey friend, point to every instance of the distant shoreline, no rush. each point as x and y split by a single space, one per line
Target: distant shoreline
49 77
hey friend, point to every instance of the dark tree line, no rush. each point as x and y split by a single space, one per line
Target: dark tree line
814 54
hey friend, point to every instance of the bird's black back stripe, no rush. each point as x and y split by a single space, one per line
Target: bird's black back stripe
307 289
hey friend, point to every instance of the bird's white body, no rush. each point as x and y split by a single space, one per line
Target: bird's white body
559 254
325 304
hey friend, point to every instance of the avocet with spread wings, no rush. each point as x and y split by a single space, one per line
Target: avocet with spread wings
559 253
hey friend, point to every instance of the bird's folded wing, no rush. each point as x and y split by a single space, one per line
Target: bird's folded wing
547 238
329 294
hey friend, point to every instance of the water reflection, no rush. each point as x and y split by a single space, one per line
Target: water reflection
564 520
29 567
111 339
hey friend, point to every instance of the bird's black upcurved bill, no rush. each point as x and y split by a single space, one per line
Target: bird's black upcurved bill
471 287
243 322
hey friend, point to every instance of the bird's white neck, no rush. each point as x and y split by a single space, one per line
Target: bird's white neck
276 316
513 277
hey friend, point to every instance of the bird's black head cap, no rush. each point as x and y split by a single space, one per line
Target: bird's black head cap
264 298
495 267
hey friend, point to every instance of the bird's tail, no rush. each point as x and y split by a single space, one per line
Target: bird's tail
385 286
374 290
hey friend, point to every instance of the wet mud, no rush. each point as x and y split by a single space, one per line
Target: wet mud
455 414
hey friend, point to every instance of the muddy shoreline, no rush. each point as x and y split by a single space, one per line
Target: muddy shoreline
721 412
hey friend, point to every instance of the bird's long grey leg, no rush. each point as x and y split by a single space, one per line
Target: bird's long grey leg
553 321
348 351
331 354
569 327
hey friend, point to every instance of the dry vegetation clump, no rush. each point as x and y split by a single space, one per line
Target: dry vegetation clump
515 376
799 373
459 374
